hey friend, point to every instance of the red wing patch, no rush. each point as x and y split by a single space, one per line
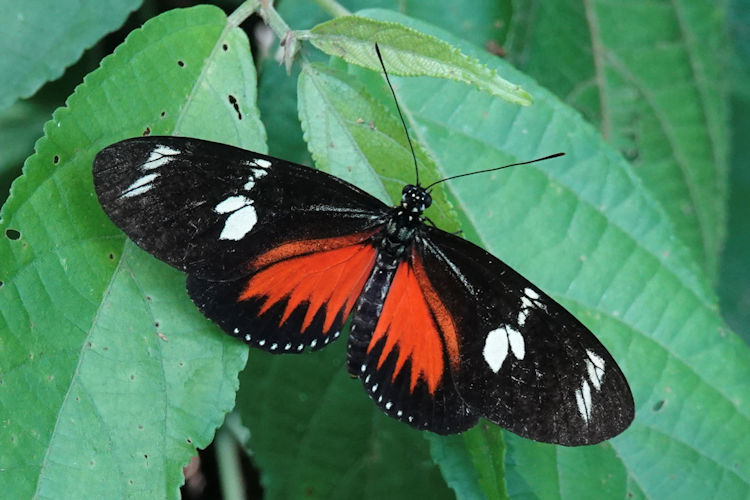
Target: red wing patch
415 320
330 278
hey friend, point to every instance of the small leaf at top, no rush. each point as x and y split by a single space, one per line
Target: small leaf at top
407 52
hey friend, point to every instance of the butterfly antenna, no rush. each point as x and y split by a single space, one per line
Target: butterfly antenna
496 168
398 108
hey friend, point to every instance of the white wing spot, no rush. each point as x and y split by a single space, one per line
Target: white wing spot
248 337
232 204
236 330
495 349
595 368
375 388
363 368
526 303
262 343
249 185
517 346
583 400
140 186
300 347
166 150
239 224
158 157
522 315
399 413
388 405
531 293
497 343
314 343
262 163
367 379
274 346
288 346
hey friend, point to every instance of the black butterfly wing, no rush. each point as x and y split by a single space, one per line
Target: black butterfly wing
402 345
525 362
209 209
276 253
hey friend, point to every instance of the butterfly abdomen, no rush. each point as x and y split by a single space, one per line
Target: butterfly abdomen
368 307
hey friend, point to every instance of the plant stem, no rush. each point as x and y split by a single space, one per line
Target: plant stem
242 12
273 19
333 8
228 464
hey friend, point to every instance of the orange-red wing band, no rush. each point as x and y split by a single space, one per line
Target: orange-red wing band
415 319
330 278
302 247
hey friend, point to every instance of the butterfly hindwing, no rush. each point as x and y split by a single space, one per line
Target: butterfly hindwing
298 296
525 362
209 208
402 345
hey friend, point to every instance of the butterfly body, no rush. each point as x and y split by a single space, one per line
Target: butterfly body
441 333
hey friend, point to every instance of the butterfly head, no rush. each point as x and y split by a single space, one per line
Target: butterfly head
415 199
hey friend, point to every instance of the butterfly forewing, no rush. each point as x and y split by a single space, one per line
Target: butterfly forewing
276 253
209 209
525 363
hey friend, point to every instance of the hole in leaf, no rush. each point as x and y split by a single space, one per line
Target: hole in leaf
235 105
225 47
163 114
111 256
55 159
12 234
147 131
180 64
659 405
1 284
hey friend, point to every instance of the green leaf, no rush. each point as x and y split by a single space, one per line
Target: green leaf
316 434
39 39
353 137
109 376
472 463
407 52
734 282
584 229
647 74
20 125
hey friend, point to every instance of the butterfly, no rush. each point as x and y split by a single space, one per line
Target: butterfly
281 256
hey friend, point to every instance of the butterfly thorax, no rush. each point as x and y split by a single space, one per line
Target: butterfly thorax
403 221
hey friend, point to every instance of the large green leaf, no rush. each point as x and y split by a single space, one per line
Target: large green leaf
354 137
647 73
734 284
40 39
587 231
109 377
316 434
